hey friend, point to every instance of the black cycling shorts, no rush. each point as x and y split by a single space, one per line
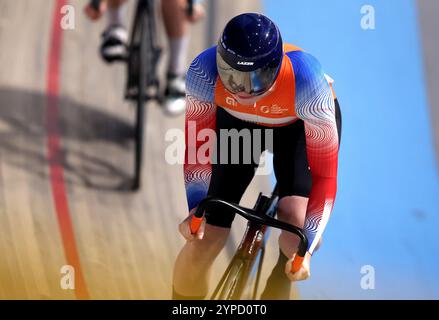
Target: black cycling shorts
229 181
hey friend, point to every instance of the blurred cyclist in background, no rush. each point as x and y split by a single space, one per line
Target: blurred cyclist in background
176 20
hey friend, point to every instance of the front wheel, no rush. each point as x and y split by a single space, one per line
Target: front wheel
235 281
145 60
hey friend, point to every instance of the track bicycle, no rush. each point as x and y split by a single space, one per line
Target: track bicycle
142 83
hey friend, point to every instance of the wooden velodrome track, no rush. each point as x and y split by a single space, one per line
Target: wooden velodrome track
66 151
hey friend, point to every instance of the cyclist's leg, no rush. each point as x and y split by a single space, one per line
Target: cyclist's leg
177 29
192 267
235 166
177 26
294 181
193 263
229 182
115 37
115 14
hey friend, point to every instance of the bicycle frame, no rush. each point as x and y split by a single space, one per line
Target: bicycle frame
252 245
142 60
143 32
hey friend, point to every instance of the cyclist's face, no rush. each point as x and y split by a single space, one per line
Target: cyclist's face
253 83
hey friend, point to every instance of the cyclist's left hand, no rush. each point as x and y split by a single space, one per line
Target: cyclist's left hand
185 228
304 272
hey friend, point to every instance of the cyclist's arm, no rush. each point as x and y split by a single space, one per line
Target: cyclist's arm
315 105
200 115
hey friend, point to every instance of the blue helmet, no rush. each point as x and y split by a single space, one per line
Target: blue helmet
249 54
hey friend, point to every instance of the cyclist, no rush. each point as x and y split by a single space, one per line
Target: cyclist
115 39
251 80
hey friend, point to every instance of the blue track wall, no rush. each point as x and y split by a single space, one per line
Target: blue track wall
387 207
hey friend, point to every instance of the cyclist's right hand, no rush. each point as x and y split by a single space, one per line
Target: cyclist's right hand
303 273
94 14
185 229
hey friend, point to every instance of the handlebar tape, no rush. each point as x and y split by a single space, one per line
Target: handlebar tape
297 263
195 224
